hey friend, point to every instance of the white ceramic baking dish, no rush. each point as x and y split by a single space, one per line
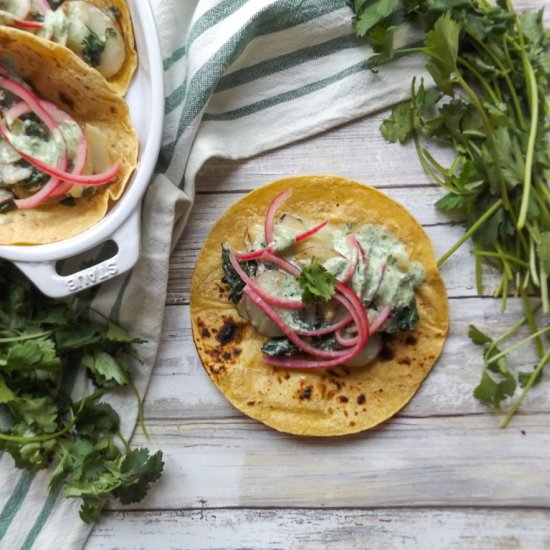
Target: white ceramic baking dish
122 224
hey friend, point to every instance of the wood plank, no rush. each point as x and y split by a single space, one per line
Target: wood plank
355 150
180 388
473 528
447 461
458 272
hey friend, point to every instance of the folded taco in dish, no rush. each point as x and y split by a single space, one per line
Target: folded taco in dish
98 31
67 147
317 307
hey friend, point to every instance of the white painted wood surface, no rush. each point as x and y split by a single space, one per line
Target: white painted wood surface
441 474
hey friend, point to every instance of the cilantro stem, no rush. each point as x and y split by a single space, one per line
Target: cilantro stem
526 389
518 344
39 438
488 254
55 435
124 441
478 272
479 76
26 337
533 96
479 222
529 315
507 334
490 135
532 263
503 69
140 408
505 265
504 292
544 289
425 164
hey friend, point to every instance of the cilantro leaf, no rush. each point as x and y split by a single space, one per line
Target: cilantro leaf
107 371
399 125
373 13
6 395
138 471
524 377
96 419
316 282
41 341
477 337
442 49
492 392
39 353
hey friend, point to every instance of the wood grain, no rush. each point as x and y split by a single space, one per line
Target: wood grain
396 529
435 461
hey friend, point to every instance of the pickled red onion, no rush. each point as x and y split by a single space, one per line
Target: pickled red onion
95 179
293 304
275 203
28 97
286 330
303 236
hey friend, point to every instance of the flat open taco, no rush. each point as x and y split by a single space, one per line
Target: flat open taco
98 31
317 307
67 147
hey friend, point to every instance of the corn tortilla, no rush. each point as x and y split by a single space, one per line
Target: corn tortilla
55 74
120 81
337 401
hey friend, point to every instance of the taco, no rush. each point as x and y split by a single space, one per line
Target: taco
67 147
317 307
98 31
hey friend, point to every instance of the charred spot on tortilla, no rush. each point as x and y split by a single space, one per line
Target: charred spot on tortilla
229 331
289 395
305 393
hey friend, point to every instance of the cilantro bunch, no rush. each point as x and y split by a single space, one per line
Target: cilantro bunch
491 70
43 343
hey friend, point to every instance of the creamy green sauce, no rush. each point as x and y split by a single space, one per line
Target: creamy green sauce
388 277
64 30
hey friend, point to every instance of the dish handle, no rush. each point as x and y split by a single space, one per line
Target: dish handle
45 276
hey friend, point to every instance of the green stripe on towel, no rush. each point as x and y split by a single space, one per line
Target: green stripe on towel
274 17
288 61
13 504
287 96
206 21
40 520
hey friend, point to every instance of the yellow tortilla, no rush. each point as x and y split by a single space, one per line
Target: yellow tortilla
57 75
341 400
120 81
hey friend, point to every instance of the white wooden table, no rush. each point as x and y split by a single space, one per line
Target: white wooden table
441 474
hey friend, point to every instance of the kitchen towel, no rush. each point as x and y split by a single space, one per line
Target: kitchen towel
241 77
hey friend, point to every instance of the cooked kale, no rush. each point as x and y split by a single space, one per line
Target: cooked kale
36 179
35 128
277 347
93 49
280 346
231 277
402 318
